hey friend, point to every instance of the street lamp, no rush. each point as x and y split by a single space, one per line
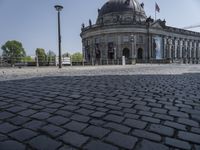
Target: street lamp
58 9
133 49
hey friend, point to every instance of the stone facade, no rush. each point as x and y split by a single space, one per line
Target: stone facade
122 29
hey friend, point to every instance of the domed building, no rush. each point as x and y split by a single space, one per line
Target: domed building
122 28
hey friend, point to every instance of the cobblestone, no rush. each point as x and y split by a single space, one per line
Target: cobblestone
9 145
147 135
58 120
195 138
74 139
97 145
160 129
148 145
97 132
175 125
75 126
118 127
140 107
44 143
135 123
188 122
52 130
7 127
121 140
114 118
23 134
177 143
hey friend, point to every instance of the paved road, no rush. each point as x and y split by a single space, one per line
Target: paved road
102 112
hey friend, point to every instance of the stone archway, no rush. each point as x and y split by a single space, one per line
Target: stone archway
140 53
126 53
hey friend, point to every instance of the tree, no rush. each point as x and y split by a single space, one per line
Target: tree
77 57
41 56
13 52
28 59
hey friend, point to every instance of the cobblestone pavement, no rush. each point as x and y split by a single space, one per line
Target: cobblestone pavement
102 112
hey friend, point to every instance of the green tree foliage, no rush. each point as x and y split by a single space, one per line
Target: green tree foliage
28 59
41 56
77 57
13 52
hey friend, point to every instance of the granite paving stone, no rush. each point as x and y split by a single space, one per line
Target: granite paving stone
23 134
34 125
3 137
18 120
121 140
10 145
74 139
97 122
160 129
150 119
52 130
41 115
44 143
95 131
195 130
148 145
140 107
7 127
191 137
67 147
178 114
135 123
84 111
27 112
131 116
58 120
5 115
188 122
117 127
114 118
98 145
178 143
80 118
75 126
63 113
175 125
98 114
147 135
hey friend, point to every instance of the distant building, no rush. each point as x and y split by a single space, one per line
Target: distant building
123 29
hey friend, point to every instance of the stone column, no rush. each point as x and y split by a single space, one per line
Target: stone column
119 48
194 52
190 51
165 48
185 51
170 49
181 50
198 52
175 49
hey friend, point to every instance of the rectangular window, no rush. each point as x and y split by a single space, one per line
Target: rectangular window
125 39
140 39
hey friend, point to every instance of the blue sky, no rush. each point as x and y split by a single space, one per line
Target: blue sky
33 22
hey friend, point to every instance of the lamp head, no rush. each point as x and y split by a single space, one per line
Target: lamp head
58 7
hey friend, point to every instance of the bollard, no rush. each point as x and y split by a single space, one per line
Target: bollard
123 61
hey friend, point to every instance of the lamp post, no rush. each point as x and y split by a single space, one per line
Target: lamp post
133 49
58 9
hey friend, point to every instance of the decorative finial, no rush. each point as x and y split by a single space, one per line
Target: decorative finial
142 5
